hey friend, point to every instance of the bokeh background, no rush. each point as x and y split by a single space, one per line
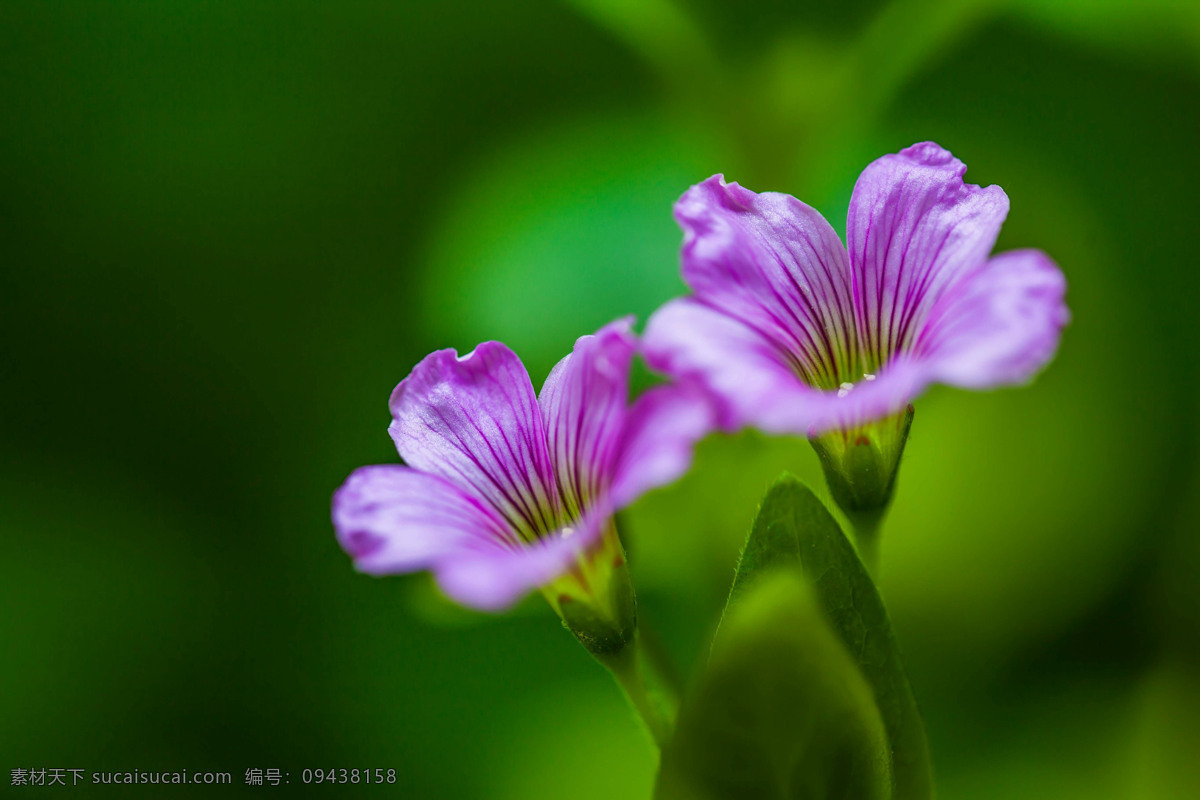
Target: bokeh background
227 230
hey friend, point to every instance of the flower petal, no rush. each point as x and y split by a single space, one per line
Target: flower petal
775 264
913 228
661 432
474 420
750 382
741 368
999 325
583 408
492 580
393 519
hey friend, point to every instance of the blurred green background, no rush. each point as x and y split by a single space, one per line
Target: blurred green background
228 230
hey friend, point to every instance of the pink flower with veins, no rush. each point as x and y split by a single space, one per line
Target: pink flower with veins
793 333
505 492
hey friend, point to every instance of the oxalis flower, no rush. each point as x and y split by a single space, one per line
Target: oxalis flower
505 492
793 333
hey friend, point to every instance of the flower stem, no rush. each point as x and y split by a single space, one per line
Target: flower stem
867 525
664 674
626 668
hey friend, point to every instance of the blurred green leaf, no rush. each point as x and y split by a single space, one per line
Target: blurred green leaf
793 526
573 738
1157 29
781 712
1165 729
661 31
556 235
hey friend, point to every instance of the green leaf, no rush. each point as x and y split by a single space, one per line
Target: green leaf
781 713
793 525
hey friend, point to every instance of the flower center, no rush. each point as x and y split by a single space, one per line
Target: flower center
846 387
833 359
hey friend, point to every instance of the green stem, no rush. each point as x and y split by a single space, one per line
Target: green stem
867 525
664 675
626 668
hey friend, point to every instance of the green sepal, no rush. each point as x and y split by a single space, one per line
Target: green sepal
861 464
606 628
596 600
781 713
794 527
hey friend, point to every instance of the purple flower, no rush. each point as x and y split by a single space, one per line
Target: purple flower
793 333
504 491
